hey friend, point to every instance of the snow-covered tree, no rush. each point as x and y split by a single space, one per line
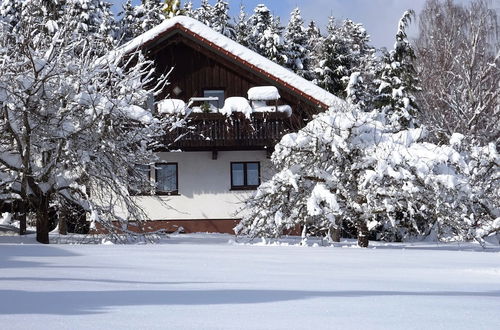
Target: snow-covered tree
216 16
333 61
458 64
242 29
314 44
171 8
350 169
187 9
136 20
73 126
266 35
344 51
397 79
296 44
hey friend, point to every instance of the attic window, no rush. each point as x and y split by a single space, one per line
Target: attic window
218 93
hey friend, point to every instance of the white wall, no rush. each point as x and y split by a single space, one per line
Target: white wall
204 186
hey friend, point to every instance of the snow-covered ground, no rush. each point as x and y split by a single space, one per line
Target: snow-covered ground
203 281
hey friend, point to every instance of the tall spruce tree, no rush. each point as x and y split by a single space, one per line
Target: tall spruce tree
314 44
296 44
333 61
266 35
242 29
136 20
397 79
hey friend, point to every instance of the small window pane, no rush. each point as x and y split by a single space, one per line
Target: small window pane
215 93
252 174
166 177
238 174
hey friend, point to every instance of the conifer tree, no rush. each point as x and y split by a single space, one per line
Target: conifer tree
187 9
242 29
397 79
296 41
314 44
266 36
171 8
333 61
136 20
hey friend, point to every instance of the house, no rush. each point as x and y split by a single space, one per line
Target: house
240 105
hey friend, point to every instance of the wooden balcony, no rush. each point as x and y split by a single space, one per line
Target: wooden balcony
218 132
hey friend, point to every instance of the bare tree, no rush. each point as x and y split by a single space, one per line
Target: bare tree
458 63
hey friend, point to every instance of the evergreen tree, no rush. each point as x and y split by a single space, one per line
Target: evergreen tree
204 13
187 9
397 79
333 61
220 19
139 19
242 29
266 35
171 8
314 45
296 42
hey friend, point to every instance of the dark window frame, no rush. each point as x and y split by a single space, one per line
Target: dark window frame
223 90
245 185
167 193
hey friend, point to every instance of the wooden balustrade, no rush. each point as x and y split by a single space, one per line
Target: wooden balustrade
217 131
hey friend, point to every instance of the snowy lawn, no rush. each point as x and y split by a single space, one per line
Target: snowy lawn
209 282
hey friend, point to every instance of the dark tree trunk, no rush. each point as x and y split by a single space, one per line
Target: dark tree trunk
363 234
42 220
22 221
63 216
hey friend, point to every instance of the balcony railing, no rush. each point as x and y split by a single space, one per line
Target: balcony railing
217 131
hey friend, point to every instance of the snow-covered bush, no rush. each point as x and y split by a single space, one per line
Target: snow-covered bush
350 169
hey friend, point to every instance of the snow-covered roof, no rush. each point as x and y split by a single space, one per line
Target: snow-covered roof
237 52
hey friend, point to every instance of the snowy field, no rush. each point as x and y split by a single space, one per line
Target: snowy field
210 282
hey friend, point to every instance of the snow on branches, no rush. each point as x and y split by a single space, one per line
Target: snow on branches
72 126
350 169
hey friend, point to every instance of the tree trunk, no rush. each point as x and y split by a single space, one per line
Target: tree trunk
363 234
22 219
336 233
42 221
63 215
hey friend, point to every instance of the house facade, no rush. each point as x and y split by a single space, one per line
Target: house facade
238 105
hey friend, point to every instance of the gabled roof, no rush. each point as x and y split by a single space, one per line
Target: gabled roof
234 51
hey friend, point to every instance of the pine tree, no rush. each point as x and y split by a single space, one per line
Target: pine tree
359 83
296 42
187 9
397 79
333 61
266 35
139 19
242 29
204 13
314 45
220 22
171 8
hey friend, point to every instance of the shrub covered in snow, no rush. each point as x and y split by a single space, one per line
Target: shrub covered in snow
350 169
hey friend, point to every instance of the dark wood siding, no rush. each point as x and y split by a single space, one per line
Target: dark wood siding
197 67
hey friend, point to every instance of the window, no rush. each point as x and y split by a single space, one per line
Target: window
141 180
245 175
219 93
166 179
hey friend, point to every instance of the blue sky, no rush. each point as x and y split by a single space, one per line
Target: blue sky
380 17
